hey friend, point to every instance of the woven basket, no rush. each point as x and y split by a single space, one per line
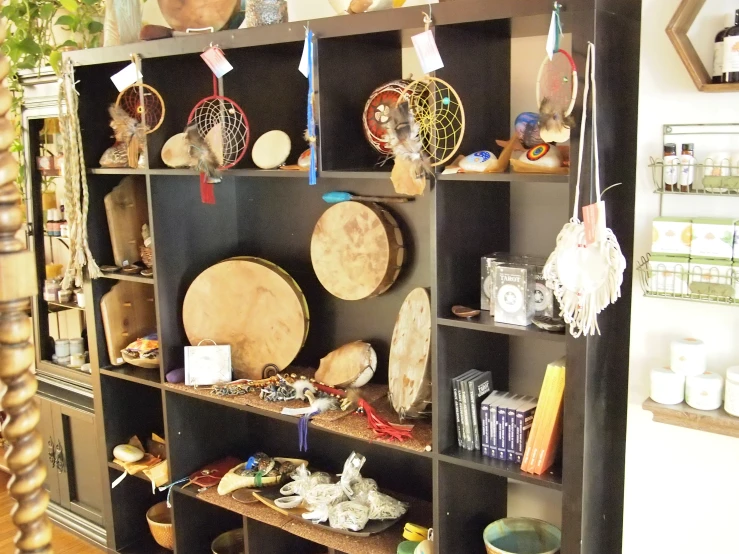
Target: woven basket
146 256
160 525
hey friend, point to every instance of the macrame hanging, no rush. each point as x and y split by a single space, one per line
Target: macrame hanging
586 269
77 196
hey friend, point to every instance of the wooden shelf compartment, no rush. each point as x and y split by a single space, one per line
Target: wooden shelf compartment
552 479
140 475
485 322
146 545
127 277
383 543
507 177
117 170
682 415
345 424
128 372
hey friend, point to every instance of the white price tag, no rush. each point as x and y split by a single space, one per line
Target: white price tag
216 60
303 67
428 53
126 77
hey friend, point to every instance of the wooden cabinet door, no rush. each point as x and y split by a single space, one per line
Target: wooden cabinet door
46 428
81 484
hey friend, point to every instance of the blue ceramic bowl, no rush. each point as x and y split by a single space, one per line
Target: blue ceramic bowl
522 535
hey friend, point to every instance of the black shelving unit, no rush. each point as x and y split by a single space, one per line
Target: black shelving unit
271 214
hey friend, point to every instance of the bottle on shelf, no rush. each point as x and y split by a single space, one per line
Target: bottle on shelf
731 52
718 52
671 168
687 167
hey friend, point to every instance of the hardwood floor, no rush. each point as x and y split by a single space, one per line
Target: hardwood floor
62 541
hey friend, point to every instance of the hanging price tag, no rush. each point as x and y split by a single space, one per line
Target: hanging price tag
217 61
428 53
126 77
303 66
594 218
555 31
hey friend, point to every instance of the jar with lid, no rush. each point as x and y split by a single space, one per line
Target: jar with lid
687 167
671 168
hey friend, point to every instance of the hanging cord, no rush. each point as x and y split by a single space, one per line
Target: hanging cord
75 178
581 148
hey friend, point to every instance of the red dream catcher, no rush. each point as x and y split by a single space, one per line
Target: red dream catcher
556 92
377 113
150 112
218 136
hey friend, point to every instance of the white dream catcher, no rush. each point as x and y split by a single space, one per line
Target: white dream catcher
586 269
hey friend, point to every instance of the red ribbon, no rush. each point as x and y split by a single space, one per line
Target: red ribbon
207 196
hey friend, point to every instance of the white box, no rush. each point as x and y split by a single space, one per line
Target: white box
669 274
712 237
671 235
712 277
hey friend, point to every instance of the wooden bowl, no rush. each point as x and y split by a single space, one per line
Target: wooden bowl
522 535
230 542
159 518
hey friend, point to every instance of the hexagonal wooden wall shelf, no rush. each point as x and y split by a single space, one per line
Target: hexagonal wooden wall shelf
677 30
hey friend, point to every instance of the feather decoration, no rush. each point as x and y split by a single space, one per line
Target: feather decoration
551 119
303 389
129 133
403 137
202 156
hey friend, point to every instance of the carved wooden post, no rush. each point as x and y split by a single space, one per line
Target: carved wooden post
17 284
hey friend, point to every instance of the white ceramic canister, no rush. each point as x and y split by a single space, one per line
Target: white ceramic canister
688 357
79 293
61 348
731 398
704 392
77 346
76 360
667 387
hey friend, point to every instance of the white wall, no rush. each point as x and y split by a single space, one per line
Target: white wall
682 487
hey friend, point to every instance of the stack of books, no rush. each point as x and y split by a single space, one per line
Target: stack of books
469 390
505 426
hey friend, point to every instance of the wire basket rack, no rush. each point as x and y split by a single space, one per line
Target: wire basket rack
713 177
684 280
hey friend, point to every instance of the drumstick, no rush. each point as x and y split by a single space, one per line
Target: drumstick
338 196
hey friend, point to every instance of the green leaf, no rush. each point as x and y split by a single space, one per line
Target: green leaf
95 27
55 61
66 20
69 5
29 46
95 42
69 43
47 10
90 2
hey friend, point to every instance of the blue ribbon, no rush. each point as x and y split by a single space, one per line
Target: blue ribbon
169 487
311 120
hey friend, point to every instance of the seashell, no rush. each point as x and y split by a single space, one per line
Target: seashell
479 162
304 160
176 152
351 365
527 129
542 155
239 477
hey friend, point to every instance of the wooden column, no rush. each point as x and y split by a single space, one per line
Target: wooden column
17 284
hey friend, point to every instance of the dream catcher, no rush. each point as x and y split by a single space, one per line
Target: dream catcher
217 135
144 104
377 113
424 130
586 269
128 149
556 91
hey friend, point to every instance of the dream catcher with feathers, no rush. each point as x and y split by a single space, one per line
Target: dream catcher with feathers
217 136
556 92
424 129
128 150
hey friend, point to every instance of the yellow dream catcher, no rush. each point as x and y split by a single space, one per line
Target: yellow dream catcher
424 130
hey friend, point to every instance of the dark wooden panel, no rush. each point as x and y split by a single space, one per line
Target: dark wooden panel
459 350
131 409
477 64
468 501
198 523
131 499
189 236
261 538
349 69
472 220
276 221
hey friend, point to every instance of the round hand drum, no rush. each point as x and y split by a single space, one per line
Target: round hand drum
409 379
254 306
357 250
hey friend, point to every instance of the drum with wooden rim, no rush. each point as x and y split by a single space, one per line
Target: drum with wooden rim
252 305
357 250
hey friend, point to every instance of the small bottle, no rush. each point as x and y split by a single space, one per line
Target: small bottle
671 168
731 52
718 52
50 220
687 167
63 226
